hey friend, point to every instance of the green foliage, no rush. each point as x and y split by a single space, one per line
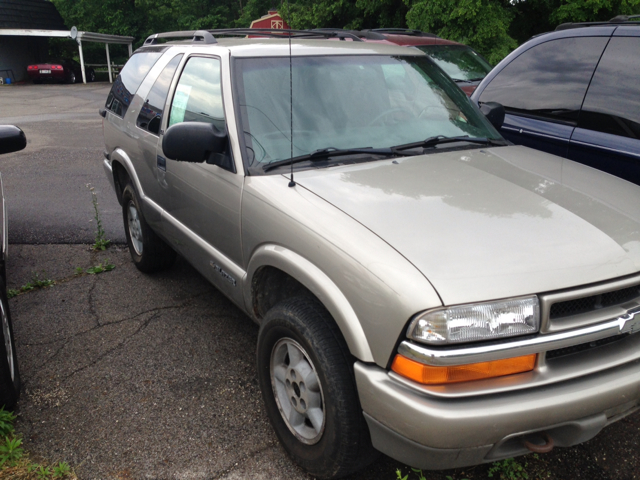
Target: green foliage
15 463
6 422
593 10
101 267
43 472
101 241
481 24
61 470
493 27
10 451
508 469
35 283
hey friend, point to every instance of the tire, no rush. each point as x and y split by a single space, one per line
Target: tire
71 78
91 76
148 251
9 371
305 372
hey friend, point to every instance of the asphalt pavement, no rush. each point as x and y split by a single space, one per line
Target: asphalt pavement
127 375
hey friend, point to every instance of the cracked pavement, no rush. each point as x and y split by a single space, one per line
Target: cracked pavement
127 375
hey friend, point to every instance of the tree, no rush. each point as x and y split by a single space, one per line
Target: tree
481 24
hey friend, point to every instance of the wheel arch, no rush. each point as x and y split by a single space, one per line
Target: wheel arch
123 170
290 274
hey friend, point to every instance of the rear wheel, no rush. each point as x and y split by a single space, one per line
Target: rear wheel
306 378
91 76
148 251
9 372
71 78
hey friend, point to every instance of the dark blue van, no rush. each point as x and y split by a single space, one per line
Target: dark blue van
575 92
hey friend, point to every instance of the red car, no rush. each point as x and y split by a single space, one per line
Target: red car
63 71
463 64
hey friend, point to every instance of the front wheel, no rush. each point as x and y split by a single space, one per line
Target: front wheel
9 372
305 374
148 251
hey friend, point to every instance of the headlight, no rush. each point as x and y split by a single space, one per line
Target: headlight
475 322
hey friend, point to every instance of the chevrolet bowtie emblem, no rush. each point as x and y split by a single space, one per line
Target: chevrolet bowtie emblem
630 321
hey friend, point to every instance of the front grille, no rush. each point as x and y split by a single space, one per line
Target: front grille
594 302
561 352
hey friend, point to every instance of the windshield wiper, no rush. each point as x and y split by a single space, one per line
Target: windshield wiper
333 152
441 139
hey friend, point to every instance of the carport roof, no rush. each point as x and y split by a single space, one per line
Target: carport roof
30 14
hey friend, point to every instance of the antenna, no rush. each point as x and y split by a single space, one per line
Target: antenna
292 183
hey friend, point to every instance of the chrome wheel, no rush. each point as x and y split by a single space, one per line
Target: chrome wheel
8 348
135 229
297 390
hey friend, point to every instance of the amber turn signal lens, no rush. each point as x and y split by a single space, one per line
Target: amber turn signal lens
430 375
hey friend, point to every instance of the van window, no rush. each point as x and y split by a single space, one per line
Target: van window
548 80
612 104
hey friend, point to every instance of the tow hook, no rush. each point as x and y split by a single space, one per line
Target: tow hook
545 448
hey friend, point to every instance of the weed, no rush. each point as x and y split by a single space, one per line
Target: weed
101 241
61 470
15 463
6 422
43 472
79 270
10 451
418 475
101 267
508 469
33 284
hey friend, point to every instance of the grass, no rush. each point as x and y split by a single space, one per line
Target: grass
15 463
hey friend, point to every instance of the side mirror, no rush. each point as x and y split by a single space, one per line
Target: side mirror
12 139
494 113
193 142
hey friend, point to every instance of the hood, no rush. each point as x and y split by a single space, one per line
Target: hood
484 224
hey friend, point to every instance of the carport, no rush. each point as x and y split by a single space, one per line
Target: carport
79 37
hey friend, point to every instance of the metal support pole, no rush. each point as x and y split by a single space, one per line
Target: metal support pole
84 77
130 50
109 63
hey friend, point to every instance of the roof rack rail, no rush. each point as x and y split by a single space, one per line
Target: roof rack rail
619 20
209 36
198 36
344 33
403 31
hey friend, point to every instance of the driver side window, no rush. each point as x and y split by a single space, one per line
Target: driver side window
198 95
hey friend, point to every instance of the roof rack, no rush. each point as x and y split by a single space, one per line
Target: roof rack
209 36
343 33
402 31
619 20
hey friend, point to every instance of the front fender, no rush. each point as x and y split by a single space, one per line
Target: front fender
316 281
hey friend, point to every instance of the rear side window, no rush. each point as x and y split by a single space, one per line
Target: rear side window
612 104
129 80
150 115
548 80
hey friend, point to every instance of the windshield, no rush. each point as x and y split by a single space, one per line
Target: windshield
460 62
347 102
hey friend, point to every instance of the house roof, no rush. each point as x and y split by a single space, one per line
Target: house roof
36 14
